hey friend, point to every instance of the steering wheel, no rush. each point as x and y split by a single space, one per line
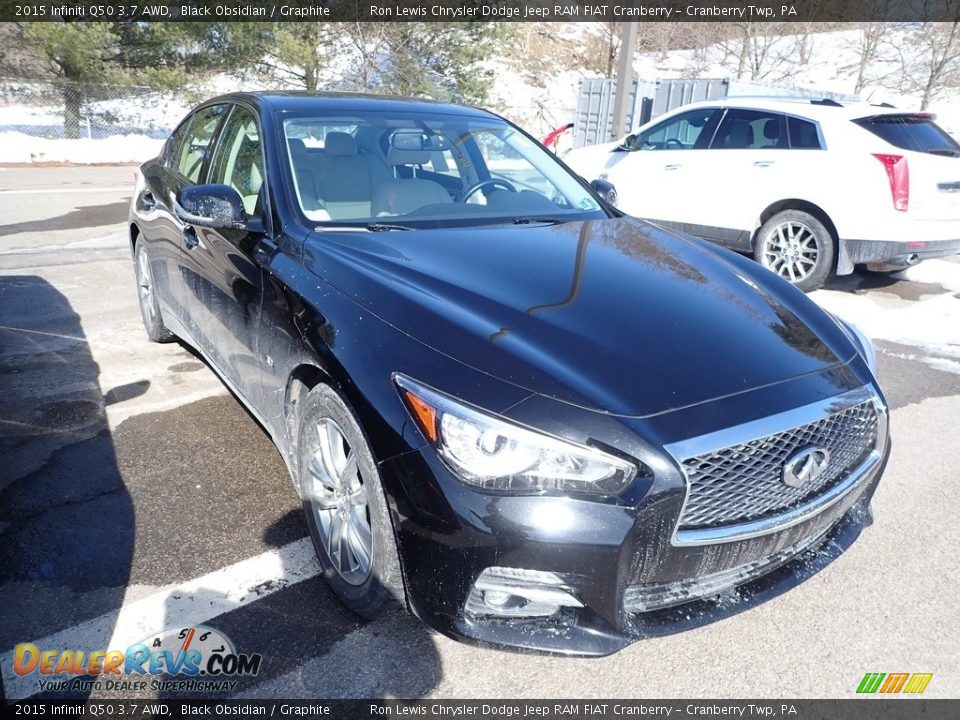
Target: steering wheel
673 143
492 182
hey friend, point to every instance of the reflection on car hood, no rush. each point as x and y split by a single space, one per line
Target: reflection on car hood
615 315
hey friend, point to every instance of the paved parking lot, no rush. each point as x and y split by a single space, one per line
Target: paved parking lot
136 494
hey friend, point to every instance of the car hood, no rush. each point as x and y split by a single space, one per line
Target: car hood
615 315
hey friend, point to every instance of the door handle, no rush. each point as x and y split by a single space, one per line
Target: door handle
190 238
672 166
764 163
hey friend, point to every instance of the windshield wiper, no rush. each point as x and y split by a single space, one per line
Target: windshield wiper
370 227
384 227
543 220
949 152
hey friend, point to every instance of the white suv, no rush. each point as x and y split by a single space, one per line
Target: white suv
809 187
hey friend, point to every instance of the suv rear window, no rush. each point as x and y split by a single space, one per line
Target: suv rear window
911 132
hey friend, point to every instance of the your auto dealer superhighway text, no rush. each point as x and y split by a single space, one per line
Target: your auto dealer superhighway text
568 11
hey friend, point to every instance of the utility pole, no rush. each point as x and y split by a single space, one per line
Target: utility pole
628 40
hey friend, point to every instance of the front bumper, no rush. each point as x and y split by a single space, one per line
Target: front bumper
620 561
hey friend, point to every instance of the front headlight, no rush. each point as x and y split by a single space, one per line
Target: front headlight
495 454
867 349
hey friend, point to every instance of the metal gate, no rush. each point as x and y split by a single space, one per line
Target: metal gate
648 99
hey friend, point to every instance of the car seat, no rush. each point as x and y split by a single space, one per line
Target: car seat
345 179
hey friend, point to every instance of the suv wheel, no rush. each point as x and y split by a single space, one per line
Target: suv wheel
345 505
146 291
797 247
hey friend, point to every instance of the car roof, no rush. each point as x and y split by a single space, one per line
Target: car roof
299 101
815 108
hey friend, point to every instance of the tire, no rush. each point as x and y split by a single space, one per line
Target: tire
797 247
343 499
146 291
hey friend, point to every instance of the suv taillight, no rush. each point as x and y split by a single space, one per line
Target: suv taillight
899 176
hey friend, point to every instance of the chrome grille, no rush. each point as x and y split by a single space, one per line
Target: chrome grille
743 482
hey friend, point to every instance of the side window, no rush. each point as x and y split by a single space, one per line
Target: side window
751 130
803 134
238 158
172 149
190 153
687 131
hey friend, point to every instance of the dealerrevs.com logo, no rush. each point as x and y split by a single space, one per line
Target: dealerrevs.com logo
893 683
195 658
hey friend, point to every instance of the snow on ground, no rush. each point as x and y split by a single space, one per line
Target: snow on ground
930 324
15 147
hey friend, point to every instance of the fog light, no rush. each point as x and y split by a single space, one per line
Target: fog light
513 592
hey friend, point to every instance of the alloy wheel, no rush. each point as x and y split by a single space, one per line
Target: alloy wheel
338 497
145 283
791 249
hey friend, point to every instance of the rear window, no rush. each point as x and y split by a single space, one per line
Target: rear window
912 132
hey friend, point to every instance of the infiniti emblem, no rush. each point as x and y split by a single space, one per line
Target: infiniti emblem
805 466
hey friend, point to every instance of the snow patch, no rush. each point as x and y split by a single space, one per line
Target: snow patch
940 272
931 323
16 147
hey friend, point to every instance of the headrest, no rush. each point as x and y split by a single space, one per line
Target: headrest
396 156
340 143
297 146
771 129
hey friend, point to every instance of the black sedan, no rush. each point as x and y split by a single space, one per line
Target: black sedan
527 418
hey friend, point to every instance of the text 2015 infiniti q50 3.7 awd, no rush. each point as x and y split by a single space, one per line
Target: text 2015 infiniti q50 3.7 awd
528 418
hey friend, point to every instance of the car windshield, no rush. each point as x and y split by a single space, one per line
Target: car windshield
393 170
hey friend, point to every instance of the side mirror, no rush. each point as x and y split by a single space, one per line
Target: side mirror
630 142
211 206
606 190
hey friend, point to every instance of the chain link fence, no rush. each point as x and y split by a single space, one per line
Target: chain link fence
60 109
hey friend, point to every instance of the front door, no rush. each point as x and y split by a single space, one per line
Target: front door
659 177
220 273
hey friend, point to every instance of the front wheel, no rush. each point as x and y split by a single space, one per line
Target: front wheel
796 245
345 505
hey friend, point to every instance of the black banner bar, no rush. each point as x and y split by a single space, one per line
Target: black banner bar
875 708
481 10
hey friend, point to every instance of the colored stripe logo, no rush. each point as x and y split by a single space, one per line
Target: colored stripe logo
891 683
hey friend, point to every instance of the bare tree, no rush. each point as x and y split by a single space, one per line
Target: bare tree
928 59
758 49
803 40
869 42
